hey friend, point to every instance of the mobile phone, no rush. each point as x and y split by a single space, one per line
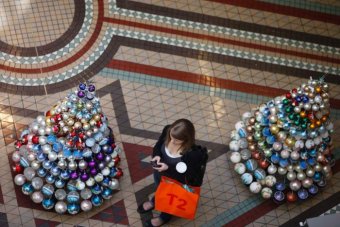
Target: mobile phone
154 164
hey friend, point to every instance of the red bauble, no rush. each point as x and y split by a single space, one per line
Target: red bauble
291 197
35 139
256 155
81 135
264 164
58 117
116 159
288 96
73 133
294 90
18 168
70 143
55 129
119 173
18 144
25 139
113 145
98 124
79 145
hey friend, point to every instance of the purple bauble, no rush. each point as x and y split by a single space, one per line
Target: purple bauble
93 172
74 175
100 156
92 164
84 176
82 86
91 88
81 94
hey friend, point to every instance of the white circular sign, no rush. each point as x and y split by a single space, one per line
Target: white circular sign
181 167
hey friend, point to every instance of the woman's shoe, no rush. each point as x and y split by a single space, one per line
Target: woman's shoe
148 223
141 209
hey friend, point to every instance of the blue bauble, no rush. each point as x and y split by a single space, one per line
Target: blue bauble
48 203
41 156
82 86
302 194
251 164
55 171
107 193
72 186
41 172
311 161
73 208
96 189
270 139
247 178
50 178
77 154
57 147
47 190
283 162
24 162
242 132
275 158
47 164
106 181
317 176
65 174
27 188
280 186
113 172
51 139
279 196
303 164
59 183
67 152
36 148
313 190
259 174
322 183
96 200
305 99
73 197
266 132
313 153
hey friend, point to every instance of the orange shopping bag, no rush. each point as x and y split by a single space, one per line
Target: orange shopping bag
172 198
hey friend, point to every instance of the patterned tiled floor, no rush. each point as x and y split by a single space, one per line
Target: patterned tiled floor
154 61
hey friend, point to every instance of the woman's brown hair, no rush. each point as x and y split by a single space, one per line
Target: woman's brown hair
183 130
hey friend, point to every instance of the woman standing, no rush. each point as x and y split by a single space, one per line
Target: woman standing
176 156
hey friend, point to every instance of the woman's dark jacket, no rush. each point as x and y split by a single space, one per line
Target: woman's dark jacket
195 159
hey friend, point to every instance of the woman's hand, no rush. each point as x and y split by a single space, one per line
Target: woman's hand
161 166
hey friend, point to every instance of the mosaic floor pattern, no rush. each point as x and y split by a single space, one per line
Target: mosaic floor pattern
154 61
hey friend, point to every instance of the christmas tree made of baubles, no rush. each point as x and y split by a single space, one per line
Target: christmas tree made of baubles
67 159
282 149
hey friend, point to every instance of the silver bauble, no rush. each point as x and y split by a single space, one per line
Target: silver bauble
41 131
291 175
318 167
301 176
19 179
72 165
35 164
60 207
326 169
86 205
307 183
295 185
29 173
42 140
52 156
37 183
46 148
271 169
281 170
85 193
310 172
294 155
60 194
82 164
114 184
62 164
290 168
37 197
16 156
